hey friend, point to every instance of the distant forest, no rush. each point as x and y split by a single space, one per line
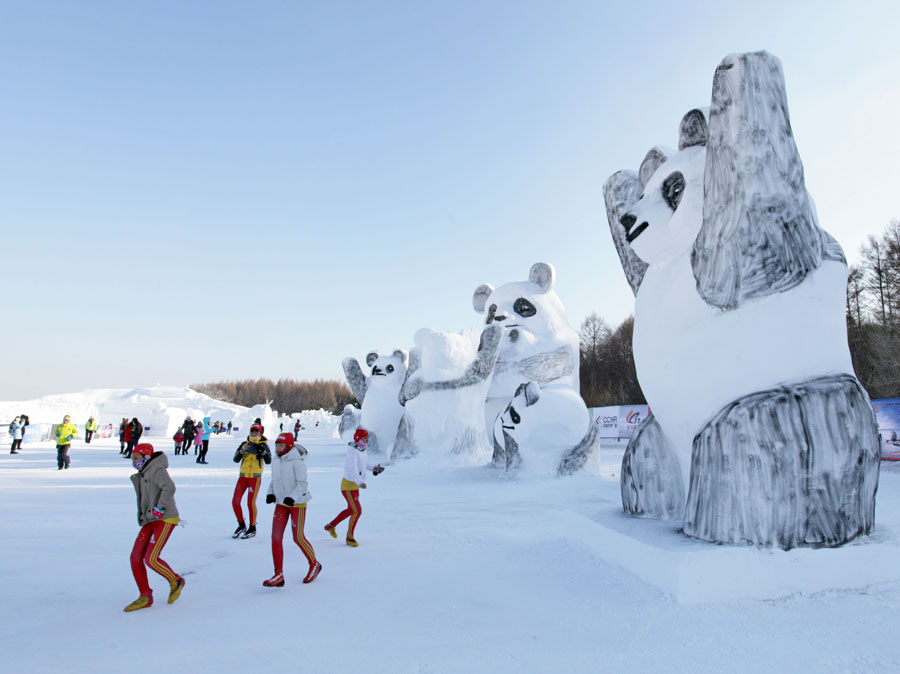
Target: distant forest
286 395
608 375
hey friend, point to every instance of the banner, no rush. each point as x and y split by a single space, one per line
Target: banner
887 414
619 421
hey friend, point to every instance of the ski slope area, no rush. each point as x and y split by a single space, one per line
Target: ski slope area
459 569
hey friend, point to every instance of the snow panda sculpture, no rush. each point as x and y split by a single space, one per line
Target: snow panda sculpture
740 338
537 345
443 395
380 409
546 433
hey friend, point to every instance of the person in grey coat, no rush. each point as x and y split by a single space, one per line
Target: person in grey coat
158 516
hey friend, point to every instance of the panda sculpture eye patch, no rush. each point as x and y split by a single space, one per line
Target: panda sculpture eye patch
524 308
672 189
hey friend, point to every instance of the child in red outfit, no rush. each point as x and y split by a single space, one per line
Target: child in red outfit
252 454
355 468
290 492
158 517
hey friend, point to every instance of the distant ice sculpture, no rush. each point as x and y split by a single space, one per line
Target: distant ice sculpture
444 394
378 395
740 338
537 346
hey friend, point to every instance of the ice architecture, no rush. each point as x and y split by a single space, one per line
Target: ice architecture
537 345
444 392
378 395
740 338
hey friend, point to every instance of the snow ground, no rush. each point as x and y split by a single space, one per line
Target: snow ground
458 570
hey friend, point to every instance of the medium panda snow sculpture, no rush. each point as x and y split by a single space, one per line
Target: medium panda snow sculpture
537 345
444 392
740 339
380 410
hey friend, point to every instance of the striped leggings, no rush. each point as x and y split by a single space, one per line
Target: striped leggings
151 539
353 511
297 514
243 484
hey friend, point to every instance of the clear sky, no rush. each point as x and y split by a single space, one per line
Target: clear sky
201 191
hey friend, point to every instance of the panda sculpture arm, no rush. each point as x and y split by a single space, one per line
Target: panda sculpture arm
621 190
355 378
759 234
479 370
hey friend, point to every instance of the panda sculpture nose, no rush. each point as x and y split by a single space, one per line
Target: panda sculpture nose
627 221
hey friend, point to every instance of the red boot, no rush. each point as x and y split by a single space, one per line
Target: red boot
275 581
313 572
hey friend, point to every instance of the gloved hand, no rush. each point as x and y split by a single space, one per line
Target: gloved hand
288 501
69 437
270 498
158 512
378 470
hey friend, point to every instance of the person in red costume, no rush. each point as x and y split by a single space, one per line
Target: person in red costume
355 467
290 492
252 454
158 517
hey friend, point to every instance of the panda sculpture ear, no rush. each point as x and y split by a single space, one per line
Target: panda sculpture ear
759 234
543 274
655 158
532 392
479 299
693 130
402 355
371 358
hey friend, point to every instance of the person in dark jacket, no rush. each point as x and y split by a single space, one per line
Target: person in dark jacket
158 517
137 430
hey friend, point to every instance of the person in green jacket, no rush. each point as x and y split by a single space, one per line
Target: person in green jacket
89 429
64 434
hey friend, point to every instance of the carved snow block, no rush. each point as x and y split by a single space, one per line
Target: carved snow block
651 477
792 466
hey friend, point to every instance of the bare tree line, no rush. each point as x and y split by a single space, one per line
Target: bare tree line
286 395
873 313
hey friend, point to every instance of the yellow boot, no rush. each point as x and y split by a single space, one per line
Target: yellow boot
139 603
175 589
330 530
352 542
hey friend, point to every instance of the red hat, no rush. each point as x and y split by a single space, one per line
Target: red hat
286 439
256 427
361 434
144 448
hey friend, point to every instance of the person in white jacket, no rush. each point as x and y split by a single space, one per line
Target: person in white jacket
355 467
289 490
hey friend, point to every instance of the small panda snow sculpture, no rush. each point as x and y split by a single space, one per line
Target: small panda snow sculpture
444 392
537 345
552 435
739 338
380 409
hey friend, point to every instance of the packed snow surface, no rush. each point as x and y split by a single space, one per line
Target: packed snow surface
459 569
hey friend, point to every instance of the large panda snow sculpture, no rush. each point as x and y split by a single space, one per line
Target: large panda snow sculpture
380 410
443 395
537 345
740 338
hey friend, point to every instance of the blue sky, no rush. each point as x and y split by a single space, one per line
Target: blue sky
217 190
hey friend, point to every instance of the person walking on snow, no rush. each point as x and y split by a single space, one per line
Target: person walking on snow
15 430
158 517
89 429
355 468
137 430
124 435
64 434
251 454
296 429
179 441
289 491
205 430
